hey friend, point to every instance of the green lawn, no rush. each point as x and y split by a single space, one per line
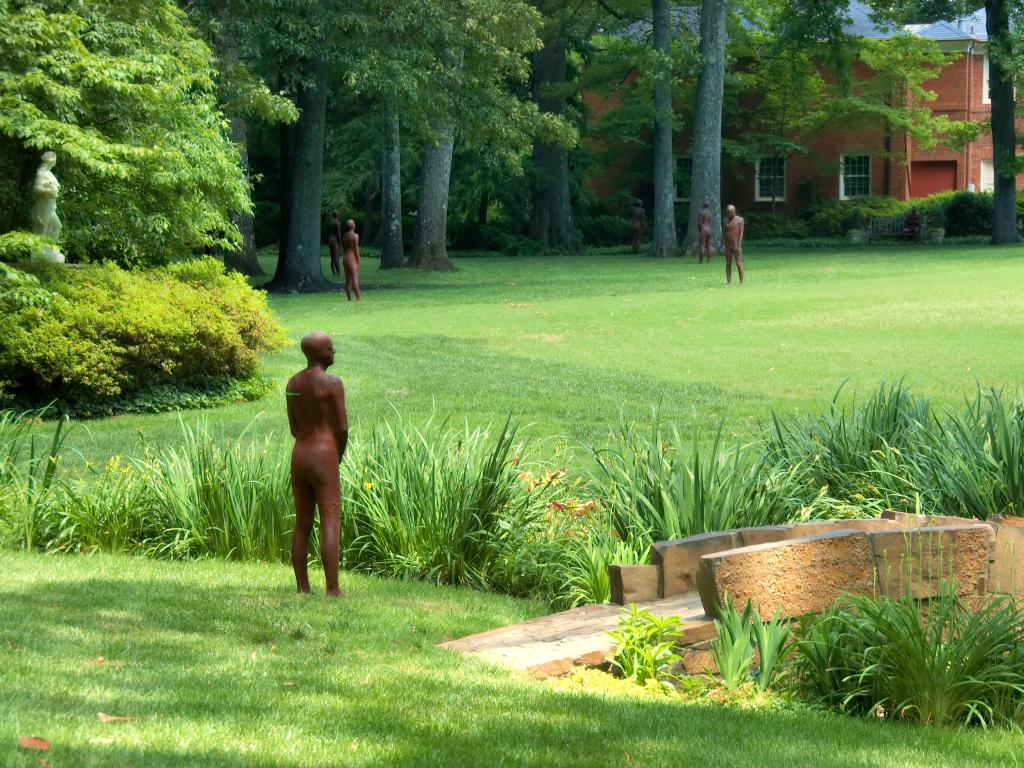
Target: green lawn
229 668
566 343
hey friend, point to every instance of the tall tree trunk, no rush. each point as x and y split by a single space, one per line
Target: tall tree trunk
1004 137
372 183
482 208
430 247
551 216
286 136
302 166
707 123
243 260
392 249
663 243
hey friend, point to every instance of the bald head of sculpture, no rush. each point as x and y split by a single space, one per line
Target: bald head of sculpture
730 210
318 349
350 225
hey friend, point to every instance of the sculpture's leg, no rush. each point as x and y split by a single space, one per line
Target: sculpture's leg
355 284
739 263
304 503
728 265
348 281
328 501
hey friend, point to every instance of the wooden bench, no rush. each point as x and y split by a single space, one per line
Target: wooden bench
893 226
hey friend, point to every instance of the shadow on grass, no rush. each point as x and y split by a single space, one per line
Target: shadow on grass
231 669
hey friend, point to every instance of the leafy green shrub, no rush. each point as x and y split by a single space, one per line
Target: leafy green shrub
107 333
836 217
969 213
603 230
18 291
936 663
934 208
646 646
19 245
771 226
196 393
806 242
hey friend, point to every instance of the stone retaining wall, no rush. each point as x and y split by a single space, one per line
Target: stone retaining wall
803 568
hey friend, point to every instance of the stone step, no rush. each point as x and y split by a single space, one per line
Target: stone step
553 645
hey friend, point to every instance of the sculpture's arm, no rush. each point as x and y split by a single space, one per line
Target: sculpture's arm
358 255
739 240
341 419
290 397
43 186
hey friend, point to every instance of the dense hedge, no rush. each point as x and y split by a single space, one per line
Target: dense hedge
772 226
961 214
603 230
835 218
89 336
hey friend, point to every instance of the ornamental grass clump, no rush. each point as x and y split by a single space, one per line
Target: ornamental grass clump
658 485
935 663
894 450
741 634
28 473
432 502
220 498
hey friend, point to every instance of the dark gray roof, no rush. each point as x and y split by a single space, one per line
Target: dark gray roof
860 23
974 25
938 30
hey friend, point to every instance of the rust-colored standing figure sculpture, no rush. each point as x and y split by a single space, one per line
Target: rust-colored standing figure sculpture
912 225
732 239
319 424
705 223
637 220
334 242
350 241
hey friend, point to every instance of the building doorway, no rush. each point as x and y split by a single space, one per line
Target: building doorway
988 176
930 176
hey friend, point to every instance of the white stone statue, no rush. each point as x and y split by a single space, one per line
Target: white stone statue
45 189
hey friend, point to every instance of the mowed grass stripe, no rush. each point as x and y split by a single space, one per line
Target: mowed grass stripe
229 668
566 343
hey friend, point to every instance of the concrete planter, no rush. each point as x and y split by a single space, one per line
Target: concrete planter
857 235
935 236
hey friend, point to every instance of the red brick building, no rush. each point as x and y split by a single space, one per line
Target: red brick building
850 160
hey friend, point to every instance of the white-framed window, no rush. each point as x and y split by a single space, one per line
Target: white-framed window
988 176
770 178
683 176
854 176
986 98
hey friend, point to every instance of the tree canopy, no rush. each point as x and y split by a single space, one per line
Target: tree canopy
125 92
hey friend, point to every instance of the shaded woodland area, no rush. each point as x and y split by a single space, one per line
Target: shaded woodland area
467 124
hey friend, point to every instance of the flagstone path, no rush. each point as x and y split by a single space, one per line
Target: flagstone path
553 645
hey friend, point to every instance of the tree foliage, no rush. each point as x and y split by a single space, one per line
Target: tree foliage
125 93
